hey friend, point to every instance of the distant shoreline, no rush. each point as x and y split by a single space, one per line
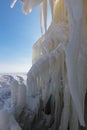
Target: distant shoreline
22 74
1 73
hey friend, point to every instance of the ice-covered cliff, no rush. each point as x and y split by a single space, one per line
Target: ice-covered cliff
54 97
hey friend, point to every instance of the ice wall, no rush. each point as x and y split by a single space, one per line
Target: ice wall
73 72
59 71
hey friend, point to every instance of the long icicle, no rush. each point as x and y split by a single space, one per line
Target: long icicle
72 54
74 124
41 17
13 3
51 6
45 4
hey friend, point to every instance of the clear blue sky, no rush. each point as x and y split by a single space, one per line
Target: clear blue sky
18 32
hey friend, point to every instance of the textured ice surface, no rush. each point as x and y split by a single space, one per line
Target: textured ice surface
5 88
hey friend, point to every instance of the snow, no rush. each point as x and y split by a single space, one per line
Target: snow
5 97
12 100
5 88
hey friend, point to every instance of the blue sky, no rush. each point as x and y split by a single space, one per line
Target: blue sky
18 33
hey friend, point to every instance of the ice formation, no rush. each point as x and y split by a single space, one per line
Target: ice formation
12 101
54 97
71 66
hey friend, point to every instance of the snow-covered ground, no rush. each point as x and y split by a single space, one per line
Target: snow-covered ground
5 87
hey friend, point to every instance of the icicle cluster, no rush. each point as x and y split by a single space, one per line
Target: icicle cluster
18 102
59 61
56 34
69 64
28 5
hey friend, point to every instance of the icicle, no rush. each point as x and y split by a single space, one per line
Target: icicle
31 82
71 59
55 62
51 6
37 53
66 110
56 35
60 11
82 76
85 17
45 4
58 102
14 93
65 12
57 11
73 122
72 54
21 100
58 108
13 3
41 17
27 6
21 95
